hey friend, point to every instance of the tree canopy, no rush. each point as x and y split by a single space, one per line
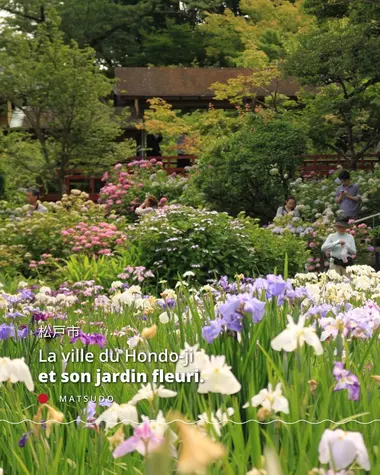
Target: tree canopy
339 58
62 95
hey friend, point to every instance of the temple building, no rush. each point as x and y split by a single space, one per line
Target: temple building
186 89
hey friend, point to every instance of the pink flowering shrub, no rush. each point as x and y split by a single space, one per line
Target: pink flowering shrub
46 264
127 186
101 238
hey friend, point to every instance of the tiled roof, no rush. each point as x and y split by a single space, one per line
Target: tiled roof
183 82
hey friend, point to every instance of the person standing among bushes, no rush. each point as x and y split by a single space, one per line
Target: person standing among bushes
340 246
348 196
32 197
288 207
150 205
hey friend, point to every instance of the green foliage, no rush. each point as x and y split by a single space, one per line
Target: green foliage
323 10
126 32
185 239
263 25
61 92
102 269
339 59
271 250
178 44
257 162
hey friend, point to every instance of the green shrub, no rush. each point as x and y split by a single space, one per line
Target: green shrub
102 269
186 239
271 250
250 170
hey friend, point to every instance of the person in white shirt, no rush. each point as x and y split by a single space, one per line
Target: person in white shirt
32 197
150 205
340 246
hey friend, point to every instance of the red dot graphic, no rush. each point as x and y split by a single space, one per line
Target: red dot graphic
43 398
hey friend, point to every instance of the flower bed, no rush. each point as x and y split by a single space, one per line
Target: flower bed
301 352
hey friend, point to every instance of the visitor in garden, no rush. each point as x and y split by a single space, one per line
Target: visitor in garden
32 197
348 196
288 207
150 205
340 246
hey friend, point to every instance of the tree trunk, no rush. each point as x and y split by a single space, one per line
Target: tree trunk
354 161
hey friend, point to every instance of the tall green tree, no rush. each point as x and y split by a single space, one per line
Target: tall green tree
323 9
63 97
124 32
339 59
266 25
239 172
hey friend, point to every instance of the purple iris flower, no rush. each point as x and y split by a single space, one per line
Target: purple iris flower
321 310
169 303
80 336
13 299
230 307
276 285
14 315
256 308
234 322
97 339
213 330
296 293
105 403
346 380
89 413
40 316
343 307
27 294
301 292
6 331
23 332
144 440
223 282
91 409
90 339
22 442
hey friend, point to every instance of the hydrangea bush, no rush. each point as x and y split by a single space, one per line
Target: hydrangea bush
126 186
186 239
100 238
315 195
41 233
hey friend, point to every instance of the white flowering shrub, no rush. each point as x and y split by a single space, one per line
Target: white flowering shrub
315 196
184 238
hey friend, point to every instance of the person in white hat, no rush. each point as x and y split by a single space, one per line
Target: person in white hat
340 246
